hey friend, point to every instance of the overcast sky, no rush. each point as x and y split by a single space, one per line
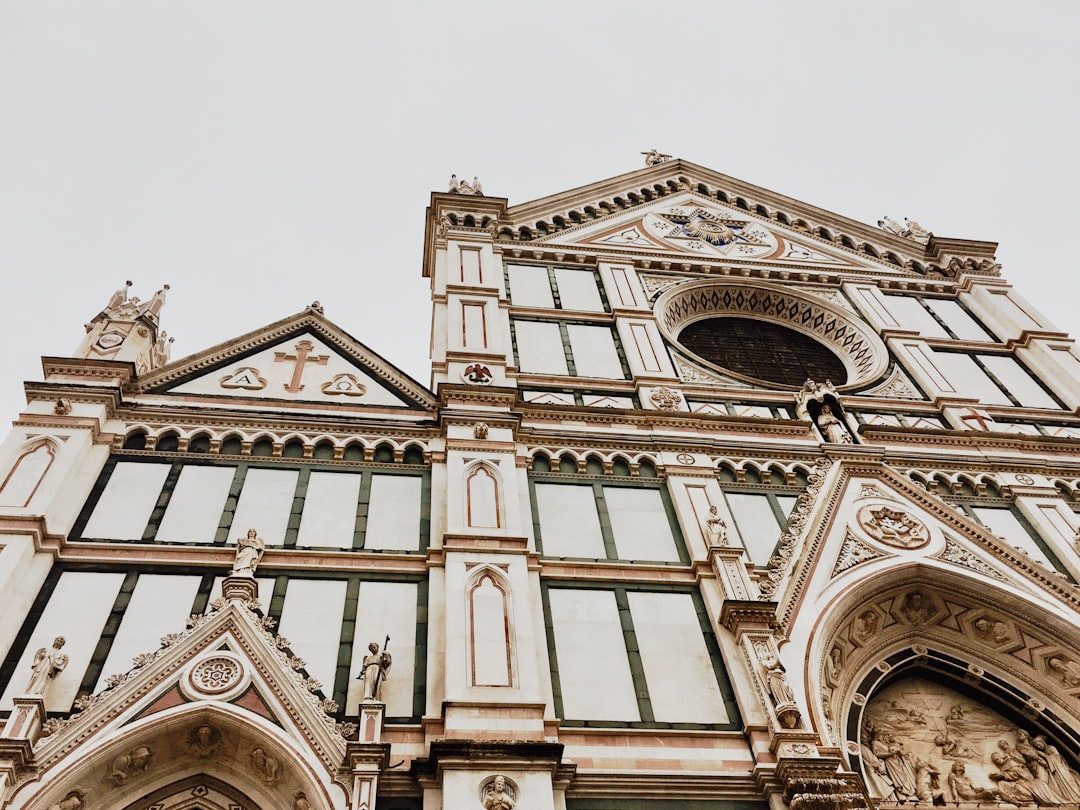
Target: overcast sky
257 155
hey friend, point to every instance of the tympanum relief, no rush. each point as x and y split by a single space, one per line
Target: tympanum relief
922 741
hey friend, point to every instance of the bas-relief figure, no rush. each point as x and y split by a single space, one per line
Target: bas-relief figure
922 741
654 156
249 551
48 663
125 766
265 766
498 795
1068 671
72 801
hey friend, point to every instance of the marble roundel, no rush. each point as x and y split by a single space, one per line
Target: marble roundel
217 675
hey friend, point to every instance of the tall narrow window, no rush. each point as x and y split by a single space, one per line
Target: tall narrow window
26 476
482 495
489 634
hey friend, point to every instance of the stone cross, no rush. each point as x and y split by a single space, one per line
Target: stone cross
300 360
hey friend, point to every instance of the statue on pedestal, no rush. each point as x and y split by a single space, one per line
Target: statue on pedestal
48 663
375 667
249 551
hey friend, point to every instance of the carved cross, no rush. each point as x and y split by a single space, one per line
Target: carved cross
300 360
982 418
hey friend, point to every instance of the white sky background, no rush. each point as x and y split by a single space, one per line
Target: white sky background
260 155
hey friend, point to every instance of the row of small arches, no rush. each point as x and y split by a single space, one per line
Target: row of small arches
592 464
963 485
643 466
267 446
603 208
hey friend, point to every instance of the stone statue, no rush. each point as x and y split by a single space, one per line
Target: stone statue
653 156
887 223
48 663
376 665
897 763
783 696
963 789
464 187
716 528
127 765
498 795
915 230
249 552
831 427
300 801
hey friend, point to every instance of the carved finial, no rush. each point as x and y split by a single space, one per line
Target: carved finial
654 156
318 307
464 187
453 184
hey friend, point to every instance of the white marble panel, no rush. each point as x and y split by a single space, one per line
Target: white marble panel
196 505
578 290
311 621
387 609
77 610
24 478
530 286
1017 380
593 348
265 504
968 379
911 315
755 524
1007 526
329 517
594 671
958 319
160 604
678 668
394 513
640 524
569 521
540 348
125 506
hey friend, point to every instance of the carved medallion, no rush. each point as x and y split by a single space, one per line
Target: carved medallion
893 527
218 675
477 374
685 459
666 399
344 385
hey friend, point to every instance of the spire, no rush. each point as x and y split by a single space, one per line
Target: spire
127 330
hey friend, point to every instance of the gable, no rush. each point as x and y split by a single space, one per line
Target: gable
301 359
690 223
302 368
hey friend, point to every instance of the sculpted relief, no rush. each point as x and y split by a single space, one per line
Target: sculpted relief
922 741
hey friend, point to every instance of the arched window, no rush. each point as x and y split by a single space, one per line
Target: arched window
482 498
26 476
490 659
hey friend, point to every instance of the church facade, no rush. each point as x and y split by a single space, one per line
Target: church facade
714 500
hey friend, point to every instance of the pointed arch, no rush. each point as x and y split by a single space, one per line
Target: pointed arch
926 621
490 628
28 472
483 502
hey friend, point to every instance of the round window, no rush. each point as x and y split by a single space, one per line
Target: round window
763 350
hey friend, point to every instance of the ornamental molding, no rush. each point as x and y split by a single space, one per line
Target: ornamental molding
857 346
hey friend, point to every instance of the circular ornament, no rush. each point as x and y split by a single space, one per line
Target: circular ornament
1024 479
892 527
685 459
477 374
219 675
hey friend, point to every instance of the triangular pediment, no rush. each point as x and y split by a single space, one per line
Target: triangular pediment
302 359
223 698
692 225
874 521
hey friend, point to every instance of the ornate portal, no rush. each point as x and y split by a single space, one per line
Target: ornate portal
922 741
